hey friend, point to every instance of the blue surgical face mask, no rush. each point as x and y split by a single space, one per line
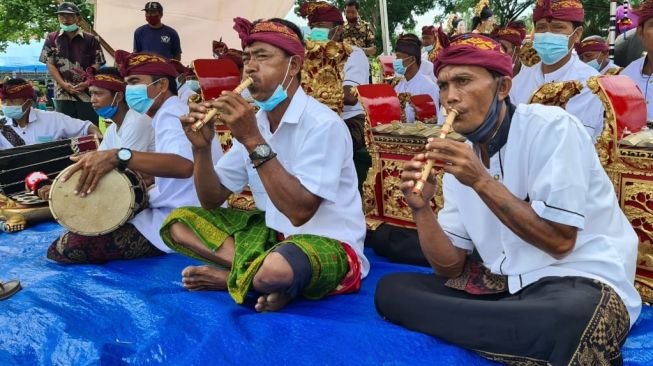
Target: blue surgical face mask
109 111
483 133
68 28
137 99
194 85
428 49
280 94
14 112
551 47
319 34
595 64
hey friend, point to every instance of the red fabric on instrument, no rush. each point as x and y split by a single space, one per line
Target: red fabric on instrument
475 50
144 63
567 10
320 11
270 32
20 91
513 33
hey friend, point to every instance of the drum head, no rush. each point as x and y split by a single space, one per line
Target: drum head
101 212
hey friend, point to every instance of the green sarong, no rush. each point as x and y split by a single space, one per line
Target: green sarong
253 242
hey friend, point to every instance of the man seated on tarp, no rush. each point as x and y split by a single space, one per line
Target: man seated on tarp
296 156
24 125
528 194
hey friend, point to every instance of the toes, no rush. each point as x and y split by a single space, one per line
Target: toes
189 271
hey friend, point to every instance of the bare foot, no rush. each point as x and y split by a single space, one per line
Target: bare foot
204 278
272 302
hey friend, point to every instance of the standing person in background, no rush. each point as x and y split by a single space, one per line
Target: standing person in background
156 37
511 38
358 32
67 53
483 20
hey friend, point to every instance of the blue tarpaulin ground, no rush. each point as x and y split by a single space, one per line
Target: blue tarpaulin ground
136 312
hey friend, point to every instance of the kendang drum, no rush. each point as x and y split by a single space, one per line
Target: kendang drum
116 199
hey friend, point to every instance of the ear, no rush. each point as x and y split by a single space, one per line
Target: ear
295 66
504 88
120 97
578 34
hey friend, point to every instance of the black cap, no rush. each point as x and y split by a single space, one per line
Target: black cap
67 8
153 5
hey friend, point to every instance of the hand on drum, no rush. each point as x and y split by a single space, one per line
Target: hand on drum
459 160
202 138
93 165
44 192
411 173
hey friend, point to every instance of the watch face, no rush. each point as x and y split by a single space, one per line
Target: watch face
124 154
262 150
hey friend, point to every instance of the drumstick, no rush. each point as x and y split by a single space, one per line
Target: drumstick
419 185
212 112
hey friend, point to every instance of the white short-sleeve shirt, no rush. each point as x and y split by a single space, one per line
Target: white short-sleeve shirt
645 83
46 126
135 132
418 85
314 145
184 93
585 106
169 193
550 162
426 69
357 72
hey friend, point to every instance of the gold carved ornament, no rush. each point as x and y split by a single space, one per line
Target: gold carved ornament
324 72
527 55
631 173
556 93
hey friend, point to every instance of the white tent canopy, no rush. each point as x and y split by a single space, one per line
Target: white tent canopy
198 22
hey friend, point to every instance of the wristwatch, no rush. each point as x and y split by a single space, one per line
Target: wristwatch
124 156
261 154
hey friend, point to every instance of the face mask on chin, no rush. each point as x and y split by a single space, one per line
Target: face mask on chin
484 132
109 111
280 94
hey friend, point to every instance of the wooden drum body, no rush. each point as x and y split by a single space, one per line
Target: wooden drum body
116 199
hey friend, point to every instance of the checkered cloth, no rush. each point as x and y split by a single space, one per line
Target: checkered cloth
254 241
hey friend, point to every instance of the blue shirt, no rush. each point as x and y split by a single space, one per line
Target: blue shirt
163 41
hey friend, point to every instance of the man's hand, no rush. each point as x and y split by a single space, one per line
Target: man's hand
93 166
81 87
459 160
202 138
70 88
411 173
239 117
44 192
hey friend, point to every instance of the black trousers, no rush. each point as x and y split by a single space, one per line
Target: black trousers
79 110
556 320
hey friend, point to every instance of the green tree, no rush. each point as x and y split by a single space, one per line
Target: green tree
22 20
504 10
400 13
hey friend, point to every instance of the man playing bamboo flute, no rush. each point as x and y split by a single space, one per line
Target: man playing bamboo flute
307 235
534 261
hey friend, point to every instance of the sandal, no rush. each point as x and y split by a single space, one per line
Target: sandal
8 289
